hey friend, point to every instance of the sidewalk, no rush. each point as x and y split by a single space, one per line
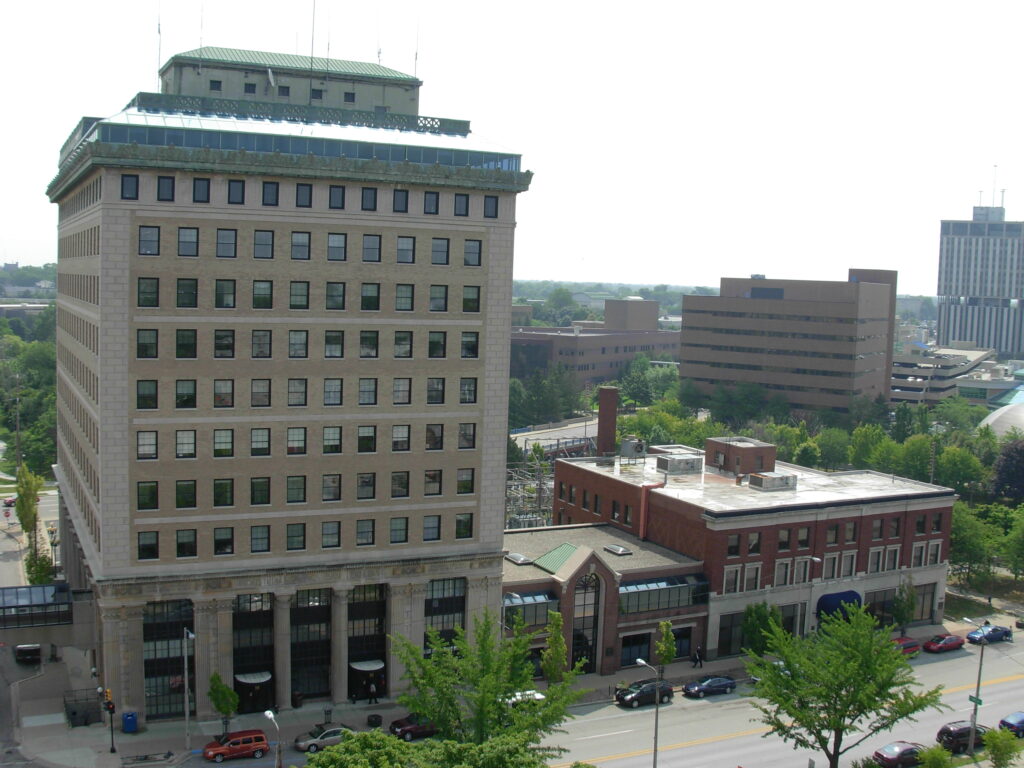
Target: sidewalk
45 737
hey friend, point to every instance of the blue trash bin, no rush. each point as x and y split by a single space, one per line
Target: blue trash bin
129 722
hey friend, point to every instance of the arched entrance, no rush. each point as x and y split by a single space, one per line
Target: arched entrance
585 618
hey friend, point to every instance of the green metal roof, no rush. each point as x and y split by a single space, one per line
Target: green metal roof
556 558
263 59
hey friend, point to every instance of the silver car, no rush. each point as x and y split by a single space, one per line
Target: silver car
321 736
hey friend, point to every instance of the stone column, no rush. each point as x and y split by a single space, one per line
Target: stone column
339 645
405 618
132 694
204 658
283 649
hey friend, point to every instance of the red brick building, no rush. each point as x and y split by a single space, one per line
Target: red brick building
791 536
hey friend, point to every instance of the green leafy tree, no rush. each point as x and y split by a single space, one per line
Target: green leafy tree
922 422
691 397
223 698
834 444
958 468
807 455
936 756
554 658
998 516
26 508
837 688
777 408
756 627
465 684
39 568
917 456
985 445
514 455
903 423
665 648
1013 549
518 404
636 386
971 542
904 605
886 456
958 414
863 442
1008 476
1001 747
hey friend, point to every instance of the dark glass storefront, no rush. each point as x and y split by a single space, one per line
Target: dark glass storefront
367 640
163 640
311 642
586 613
253 636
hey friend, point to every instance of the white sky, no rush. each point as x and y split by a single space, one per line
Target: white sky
677 142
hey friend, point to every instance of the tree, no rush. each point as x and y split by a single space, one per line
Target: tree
1013 549
691 397
904 605
1001 747
665 648
757 623
902 423
971 542
837 688
554 658
957 468
834 444
223 698
885 457
513 453
1008 475
465 684
863 442
936 756
916 459
26 507
807 455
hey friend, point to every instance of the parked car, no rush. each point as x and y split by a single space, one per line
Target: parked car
1013 722
898 753
320 736
237 744
644 692
956 736
990 633
412 726
10 501
520 697
908 645
1020 622
706 685
941 643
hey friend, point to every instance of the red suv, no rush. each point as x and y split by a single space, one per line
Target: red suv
237 744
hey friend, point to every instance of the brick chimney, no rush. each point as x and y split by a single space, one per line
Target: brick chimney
607 410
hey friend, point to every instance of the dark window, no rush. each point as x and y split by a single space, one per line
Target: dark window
471 253
271 191
330 534
470 344
406 253
434 437
461 204
185 542
490 206
187 293
399 527
185 494
369 199
223 541
148 292
223 393
223 492
129 186
439 250
284 91
146 343
431 527
334 344
236 191
332 440
303 195
336 246
149 241
215 85
296 392
753 543
298 344
262 294
471 298
437 344
295 535
200 190
185 345
259 445
464 525
370 297
467 439
366 485
403 343
259 538
250 88
188 241
146 496
295 492
439 298
259 490
330 487
367 391
404 297
185 393
165 189
366 439
263 244
298 295
335 296
435 391
300 246
227 243
364 533
371 247
732 548
369 343
259 393
430 204
145 394
400 201
350 97
336 196
224 294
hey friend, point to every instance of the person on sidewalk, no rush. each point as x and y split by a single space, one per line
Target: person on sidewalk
372 693
697 659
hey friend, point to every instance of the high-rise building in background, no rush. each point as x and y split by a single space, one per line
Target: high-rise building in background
818 344
283 350
981 282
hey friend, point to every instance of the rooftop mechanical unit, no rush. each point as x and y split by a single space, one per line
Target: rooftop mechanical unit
773 481
680 465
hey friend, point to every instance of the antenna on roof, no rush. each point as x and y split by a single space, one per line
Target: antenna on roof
200 38
378 54
159 43
416 55
995 170
1002 198
312 37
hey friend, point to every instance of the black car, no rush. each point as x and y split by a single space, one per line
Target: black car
706 685
956 736
1014 722
898 753
644 692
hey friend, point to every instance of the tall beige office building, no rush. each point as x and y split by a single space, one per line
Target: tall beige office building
817 343
283 349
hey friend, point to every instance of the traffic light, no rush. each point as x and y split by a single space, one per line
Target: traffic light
109 706
107 695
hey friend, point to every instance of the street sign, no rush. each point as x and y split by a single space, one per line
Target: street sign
974 700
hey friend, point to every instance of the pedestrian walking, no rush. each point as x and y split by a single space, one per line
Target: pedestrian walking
372 691
697 658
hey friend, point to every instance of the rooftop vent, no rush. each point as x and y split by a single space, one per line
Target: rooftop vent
518 558
632 448
772 481
618 549
679 465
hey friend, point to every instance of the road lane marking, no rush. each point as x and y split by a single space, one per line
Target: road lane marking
603 735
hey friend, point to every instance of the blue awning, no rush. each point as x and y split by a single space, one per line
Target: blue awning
833 603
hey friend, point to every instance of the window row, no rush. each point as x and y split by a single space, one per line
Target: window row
226 295
222 490
298 441
301 247
186 541
306 194
260 392
186 344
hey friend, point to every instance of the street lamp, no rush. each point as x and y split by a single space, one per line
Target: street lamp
108 704
810 588
983 641
269 714
184 658
657 706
